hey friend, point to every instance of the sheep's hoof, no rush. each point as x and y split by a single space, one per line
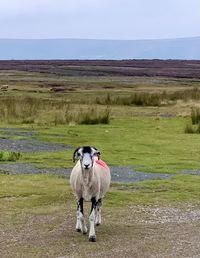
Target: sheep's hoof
98 224
92 238
78 230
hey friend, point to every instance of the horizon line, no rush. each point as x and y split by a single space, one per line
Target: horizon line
101 39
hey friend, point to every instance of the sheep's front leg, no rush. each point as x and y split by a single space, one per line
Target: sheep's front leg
92 236
98 213
80 222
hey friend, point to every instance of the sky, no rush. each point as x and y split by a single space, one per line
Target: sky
99 19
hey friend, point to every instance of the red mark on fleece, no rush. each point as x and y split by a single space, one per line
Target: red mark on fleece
101 163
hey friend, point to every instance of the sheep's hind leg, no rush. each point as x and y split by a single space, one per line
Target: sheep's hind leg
92 236
98 213
80 222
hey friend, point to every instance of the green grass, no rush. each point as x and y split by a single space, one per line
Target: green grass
9 156
48 111
138 99
35 194
43 194
194 127
149 144
133 130
181 188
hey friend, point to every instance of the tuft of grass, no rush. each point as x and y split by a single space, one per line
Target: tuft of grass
32 110
137 99
185 95
92 116
195 120
150 99
189 129
195 115
9 156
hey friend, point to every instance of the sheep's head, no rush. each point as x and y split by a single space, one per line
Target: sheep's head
86 154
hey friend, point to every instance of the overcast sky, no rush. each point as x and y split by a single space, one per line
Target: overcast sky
99 19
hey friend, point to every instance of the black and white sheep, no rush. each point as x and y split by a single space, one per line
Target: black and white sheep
90 180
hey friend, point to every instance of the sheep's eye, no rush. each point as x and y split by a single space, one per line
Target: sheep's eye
79 155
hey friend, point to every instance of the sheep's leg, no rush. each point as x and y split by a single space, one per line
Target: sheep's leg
92 236
80 223
98 213
79 215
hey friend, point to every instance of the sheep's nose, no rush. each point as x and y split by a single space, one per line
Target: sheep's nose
86 166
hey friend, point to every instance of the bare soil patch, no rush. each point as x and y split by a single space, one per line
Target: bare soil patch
130 232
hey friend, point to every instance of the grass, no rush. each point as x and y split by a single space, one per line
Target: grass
41 194
195 115
133 121
148 144
138 99
180 188
35 194
9 156
92 116
30 99
45 110
41 111
194 127
29 192
22 196
39 212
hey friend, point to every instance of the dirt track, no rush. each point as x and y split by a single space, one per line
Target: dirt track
141 232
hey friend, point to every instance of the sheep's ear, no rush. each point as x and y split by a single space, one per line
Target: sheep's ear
96 152
75 155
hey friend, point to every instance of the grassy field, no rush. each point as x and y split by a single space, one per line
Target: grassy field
135 121
149 144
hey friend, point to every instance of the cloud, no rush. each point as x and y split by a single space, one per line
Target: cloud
15 7
119 19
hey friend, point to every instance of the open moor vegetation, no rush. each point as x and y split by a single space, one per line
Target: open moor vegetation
144 114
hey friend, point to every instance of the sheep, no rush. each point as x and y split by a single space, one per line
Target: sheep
4 87
90 180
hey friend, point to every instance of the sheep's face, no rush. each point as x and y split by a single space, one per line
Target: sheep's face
86 155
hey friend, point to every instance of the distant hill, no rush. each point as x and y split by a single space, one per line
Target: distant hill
42 49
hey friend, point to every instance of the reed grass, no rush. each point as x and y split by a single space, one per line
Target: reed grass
32 110
138 99
149 99
194 127
195 115
93 116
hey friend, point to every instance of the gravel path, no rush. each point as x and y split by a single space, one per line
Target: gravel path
30 145
191 172
17 132
26 145
119 174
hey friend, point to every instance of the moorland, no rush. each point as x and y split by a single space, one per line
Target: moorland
142 115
